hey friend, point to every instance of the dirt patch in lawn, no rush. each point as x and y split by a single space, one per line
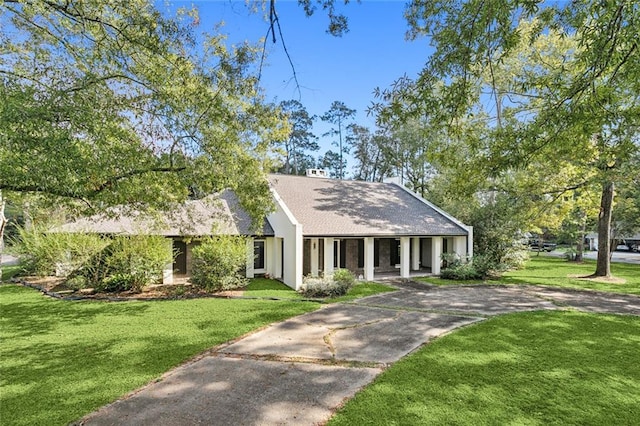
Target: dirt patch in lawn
607 280
56 287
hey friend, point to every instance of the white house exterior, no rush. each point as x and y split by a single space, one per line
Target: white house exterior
318 225
321 224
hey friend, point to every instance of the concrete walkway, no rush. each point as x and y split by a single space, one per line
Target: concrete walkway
299 371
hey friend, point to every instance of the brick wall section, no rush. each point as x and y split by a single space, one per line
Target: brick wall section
385 255
306 257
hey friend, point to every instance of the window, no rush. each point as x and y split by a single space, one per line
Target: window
258 254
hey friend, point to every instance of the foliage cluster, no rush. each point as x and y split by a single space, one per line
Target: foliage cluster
90 260
218 261
45 254
330 285
121 102
128 263
479 267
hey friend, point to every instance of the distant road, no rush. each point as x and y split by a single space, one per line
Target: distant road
8 260
617 256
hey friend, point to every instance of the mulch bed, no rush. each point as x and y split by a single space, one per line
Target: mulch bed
55 287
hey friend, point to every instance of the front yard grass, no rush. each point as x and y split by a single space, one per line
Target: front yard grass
60 360
268 288
9 272
533 368
555 271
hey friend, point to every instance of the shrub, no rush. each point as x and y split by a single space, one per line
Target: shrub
76 282
218 261
138 260
116 283
54 253
334 285
127 263
344 277
571 254
478 268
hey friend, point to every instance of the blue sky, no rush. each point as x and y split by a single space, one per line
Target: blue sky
372 54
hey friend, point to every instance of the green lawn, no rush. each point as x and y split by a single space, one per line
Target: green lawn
554 271
9 272
523 369
60 360
267 288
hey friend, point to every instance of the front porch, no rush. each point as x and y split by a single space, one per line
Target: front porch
373 257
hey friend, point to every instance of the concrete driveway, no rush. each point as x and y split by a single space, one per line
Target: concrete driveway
297 372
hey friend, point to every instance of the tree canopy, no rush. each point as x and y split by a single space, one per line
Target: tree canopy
539 100
107 102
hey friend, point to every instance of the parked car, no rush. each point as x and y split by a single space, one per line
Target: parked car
541 245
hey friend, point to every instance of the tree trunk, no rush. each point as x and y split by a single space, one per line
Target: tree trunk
603 267
580 244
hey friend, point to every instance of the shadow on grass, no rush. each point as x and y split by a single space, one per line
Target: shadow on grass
62 359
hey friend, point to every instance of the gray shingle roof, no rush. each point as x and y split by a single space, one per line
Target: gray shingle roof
213 215
329 207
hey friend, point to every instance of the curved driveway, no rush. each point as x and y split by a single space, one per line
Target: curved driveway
297 372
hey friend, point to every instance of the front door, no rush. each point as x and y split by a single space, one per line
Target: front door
180 261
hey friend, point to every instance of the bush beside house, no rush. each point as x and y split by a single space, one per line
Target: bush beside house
479 267
128 263
120 263
45 254
330 285
218 262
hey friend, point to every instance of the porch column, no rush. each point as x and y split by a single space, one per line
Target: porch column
470 242
436 252
368 258
167 270
328 256
415 254
460 247
250 258
315 255
405 249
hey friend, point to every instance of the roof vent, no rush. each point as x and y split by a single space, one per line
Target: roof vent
320 173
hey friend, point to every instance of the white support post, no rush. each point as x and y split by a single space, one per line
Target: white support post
167 270
270 256
415 254
460 247
368 258
470 242
250 258
315 256
436 253
405 249
328 256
